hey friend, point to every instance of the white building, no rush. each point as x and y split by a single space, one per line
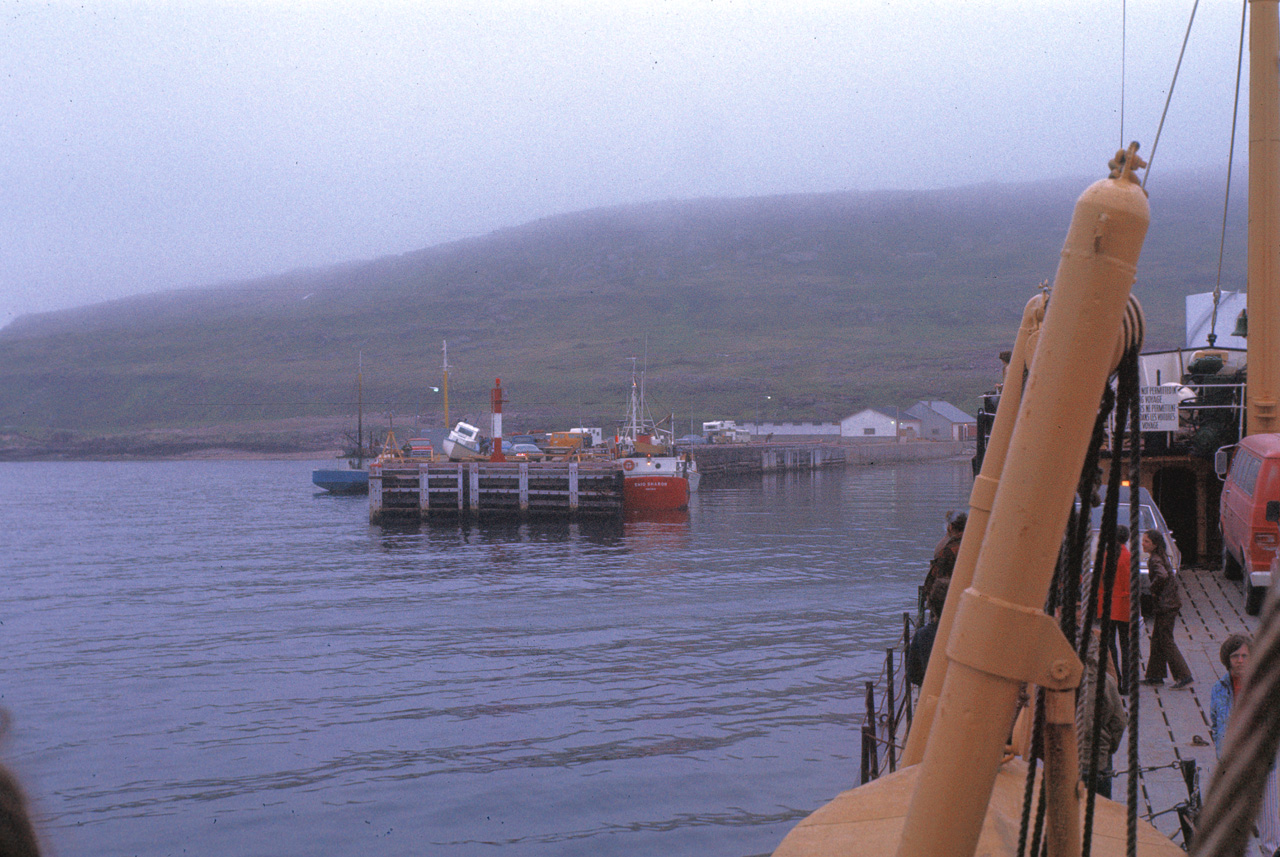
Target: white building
759 431
879 424
941 420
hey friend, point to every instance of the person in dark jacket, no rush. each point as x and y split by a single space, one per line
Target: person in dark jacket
1109 729
921 645
944 555
1168 603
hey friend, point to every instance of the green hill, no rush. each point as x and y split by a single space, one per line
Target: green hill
824 303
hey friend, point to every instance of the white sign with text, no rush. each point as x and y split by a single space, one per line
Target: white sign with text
1158 408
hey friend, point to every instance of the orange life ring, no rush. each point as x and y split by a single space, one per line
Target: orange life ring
628 465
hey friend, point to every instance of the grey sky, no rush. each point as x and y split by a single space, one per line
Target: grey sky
149 146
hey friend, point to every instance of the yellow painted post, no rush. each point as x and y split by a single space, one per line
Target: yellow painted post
1264 217
980 499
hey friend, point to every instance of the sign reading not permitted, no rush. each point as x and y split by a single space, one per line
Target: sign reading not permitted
1158 408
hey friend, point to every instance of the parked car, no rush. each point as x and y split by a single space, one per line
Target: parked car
691 439
1249 540
1149 518
524 452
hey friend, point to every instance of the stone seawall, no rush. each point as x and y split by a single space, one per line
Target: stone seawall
894 453
738 458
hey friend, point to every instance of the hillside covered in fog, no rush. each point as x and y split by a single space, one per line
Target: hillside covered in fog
822 303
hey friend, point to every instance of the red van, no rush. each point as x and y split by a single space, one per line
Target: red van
1249 540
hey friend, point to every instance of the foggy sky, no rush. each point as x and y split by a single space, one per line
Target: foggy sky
154 146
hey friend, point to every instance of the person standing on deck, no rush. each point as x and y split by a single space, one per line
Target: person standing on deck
944 555
1120 611
1110 727
1234 655
1168 603
921 645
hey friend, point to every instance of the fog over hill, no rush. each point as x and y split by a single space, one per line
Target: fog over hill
824 303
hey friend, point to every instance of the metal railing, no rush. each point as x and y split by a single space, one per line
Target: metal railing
887 719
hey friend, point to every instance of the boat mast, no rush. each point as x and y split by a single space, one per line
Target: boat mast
633 407
446 382
360 411
1263 301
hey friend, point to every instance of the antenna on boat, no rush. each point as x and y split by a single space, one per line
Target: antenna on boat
445 349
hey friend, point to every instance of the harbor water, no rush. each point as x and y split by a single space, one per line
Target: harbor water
210 658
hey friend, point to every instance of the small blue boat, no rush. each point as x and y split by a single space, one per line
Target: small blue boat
355 479
342 481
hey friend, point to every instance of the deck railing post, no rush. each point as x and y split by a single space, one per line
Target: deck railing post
906 685
864 776
869 729
893 719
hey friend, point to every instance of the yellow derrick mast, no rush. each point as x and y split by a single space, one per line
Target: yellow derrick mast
963 795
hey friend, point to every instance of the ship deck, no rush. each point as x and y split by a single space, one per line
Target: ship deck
1170 721
1173 728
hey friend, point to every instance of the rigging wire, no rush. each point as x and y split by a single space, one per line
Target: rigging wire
1168 98
1124 44
1231 154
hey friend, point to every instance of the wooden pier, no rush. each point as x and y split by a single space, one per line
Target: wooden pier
415 491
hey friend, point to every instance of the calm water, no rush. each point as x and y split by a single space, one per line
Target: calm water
210 658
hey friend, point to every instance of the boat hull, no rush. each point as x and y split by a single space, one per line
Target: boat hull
342 481
655 493
457 452
657 484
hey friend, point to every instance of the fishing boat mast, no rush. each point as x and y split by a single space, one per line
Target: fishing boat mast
635 405
360 411
445 388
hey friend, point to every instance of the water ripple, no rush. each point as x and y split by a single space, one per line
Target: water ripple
219 661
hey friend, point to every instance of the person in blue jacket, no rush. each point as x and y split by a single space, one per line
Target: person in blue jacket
1234 655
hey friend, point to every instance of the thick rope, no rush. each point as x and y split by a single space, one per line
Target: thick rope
1038 841
1128 383
1079 528
1108 554
1036 750
1037 837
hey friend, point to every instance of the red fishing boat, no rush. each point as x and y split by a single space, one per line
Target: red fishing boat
656 479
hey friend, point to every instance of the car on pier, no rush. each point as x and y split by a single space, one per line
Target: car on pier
1149 518
1249 540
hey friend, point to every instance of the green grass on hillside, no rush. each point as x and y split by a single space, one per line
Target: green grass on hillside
825 304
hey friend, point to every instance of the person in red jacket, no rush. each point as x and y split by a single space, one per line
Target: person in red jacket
1119 610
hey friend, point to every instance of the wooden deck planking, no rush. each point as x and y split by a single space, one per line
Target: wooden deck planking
1170 720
